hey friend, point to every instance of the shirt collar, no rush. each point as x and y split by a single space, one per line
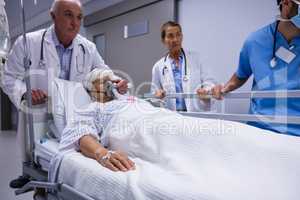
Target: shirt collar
280 38
57 43
173 63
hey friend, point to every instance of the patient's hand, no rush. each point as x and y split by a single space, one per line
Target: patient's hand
117 161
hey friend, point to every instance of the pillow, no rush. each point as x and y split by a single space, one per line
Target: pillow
67 97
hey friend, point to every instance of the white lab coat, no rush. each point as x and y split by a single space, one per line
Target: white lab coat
198 77
83 61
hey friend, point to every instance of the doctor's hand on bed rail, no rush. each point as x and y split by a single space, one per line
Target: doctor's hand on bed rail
203 94
160 94
38 96
218 92
235 82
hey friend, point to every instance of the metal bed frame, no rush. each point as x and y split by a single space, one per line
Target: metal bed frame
279 94
32 167
64 191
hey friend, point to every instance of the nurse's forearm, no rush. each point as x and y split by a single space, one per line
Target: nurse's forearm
90 147
234 83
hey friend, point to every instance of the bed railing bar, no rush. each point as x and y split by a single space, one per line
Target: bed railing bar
237 95
247 117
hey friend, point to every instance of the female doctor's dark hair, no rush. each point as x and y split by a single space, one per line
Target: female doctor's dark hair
278 4
165 26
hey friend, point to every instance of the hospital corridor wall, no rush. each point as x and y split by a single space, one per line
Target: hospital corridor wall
37 17
217 30
128 35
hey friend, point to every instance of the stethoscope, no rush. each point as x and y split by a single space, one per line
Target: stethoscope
273 61
42 63
185 77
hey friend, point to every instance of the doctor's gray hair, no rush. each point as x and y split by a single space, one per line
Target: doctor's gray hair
55 4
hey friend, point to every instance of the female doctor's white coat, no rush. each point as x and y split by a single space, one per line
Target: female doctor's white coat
84 58
198 77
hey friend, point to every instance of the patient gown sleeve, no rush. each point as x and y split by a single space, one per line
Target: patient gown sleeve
84 123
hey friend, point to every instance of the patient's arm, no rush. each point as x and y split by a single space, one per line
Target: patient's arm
117 161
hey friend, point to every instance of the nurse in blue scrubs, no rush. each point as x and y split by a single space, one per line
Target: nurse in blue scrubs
272 56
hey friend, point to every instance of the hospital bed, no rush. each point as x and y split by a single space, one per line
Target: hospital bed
42 146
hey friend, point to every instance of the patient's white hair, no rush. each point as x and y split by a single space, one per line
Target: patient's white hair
98 74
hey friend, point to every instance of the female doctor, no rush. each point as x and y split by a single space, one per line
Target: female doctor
180 71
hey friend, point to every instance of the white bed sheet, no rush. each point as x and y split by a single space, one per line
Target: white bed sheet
212 160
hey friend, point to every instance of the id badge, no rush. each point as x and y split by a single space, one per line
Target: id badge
285 55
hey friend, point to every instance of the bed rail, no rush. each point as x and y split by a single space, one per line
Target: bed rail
279 94
246 117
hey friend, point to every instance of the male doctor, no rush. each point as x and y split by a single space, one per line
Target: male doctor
180 72
272 56
58 51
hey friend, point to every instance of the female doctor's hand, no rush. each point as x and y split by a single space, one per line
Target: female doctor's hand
160 94
116 161
202 94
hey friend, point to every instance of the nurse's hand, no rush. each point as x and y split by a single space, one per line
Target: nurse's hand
202 94
122 86
38 96
218 92
117 161
160 94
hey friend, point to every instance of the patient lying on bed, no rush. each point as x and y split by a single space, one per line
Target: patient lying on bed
109 130
88 126
169 156
89 133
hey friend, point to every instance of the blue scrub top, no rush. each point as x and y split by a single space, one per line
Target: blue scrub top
177 73
255 58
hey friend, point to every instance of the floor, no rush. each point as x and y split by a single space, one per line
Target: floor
10 166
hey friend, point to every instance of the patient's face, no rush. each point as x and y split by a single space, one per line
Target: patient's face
99 90
99 85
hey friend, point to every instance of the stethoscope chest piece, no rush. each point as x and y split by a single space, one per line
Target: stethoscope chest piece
185 78
42 64
273 63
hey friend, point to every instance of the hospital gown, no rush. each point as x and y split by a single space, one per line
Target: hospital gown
93 119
